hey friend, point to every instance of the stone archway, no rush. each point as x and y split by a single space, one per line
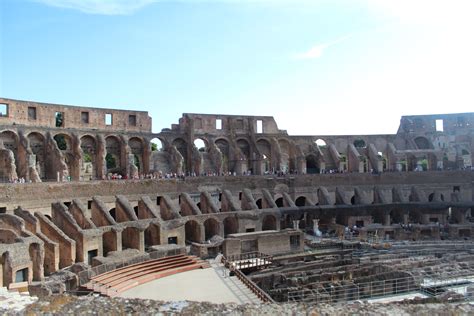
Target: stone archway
89 158
300 201
231 226
152 235
113 157
211 228
192 230
131 238
269 222
37 146
109 242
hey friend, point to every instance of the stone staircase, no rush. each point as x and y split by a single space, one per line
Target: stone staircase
245 295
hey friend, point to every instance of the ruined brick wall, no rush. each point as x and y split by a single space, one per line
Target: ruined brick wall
44 115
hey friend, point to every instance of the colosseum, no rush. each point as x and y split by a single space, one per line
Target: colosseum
318 217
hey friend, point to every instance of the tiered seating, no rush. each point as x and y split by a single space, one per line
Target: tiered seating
114 282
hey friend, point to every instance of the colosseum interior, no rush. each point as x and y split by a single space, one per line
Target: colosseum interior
332 218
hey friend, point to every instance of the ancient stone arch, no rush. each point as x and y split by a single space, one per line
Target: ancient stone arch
269 222
231 225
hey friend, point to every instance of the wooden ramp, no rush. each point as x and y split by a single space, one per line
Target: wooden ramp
114 282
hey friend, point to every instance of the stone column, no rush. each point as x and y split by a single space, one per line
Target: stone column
316 230
296 224
386 219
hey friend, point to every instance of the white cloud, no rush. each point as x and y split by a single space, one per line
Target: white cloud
318 50
104 7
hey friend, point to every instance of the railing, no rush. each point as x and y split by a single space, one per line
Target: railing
330 292
86 275
261 294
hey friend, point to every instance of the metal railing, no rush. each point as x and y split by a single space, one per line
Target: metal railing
261 294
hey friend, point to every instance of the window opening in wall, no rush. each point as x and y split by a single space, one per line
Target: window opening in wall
59 116
68 203
239 124
85 117
90 255
21 275
456 188
439 126
218 124
31 113
108 119
158 200
132 120
89 204
172 240
259 126
249 230
3 110
3 210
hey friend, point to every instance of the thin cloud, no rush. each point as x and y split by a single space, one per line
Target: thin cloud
101 7
318 50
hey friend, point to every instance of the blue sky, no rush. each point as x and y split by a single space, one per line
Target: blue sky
318 67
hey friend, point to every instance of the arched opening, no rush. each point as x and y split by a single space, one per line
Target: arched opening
8 156
279 202
192 231
377 217
135 209
269 222
200 144
242 162
109 242
63 142
159 158
265 150
422 143
320 143
312 164
259 203
359 143
353 200
113 214
211 228
152 235
415 217
285 156
396 217
131 238
112 159
231 226
300 201
37 147
156 144
286 222
136 147
88 168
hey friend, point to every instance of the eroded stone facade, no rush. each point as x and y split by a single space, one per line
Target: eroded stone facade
262 180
